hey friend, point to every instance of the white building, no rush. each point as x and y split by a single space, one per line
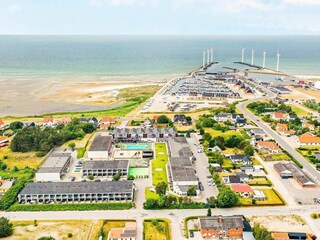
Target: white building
100 147
54 166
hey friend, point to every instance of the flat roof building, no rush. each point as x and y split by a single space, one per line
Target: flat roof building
181 172
100 147
105 168
46 192
54 166
291 170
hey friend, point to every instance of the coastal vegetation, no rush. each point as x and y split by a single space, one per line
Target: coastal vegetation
268 106
43 140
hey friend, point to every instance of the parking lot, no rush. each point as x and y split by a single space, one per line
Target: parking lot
201 168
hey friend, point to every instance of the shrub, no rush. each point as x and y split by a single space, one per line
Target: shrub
47 238
70 235
6 227
40 154
314 215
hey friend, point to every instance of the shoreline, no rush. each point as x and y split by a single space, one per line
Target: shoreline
24 96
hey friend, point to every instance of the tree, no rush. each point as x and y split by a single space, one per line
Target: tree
209 212
233 141
47 238
72 146
248 150
117 176
16 125
150 203
88 127
192 191
220 142
162 119
161 188
6 227
226 198
261 233
211 201
160 228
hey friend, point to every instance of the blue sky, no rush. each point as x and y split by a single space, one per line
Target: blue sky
202 17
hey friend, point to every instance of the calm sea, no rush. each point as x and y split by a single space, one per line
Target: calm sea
149 55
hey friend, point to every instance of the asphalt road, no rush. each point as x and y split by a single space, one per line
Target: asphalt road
200 166
176 216
313 173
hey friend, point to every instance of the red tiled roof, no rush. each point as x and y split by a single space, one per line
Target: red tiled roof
270 145
309 138
1 122
279 115
155 117
47 120
104 126
108 120
241 188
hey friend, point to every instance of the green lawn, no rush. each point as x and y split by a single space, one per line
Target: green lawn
227 163
259 181
226 134
271 195
159 173
299 111
150 194
156 230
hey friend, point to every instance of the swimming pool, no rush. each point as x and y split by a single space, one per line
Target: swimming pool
136 146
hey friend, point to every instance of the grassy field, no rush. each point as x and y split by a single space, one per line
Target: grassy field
159 173
19 159
108 225
299 111
271 195
259 181
30 230
150 194
151 231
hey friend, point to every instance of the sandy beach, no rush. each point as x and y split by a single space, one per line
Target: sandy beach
26 96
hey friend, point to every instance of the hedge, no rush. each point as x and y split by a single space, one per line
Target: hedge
186 224
10 196
70 207
293 159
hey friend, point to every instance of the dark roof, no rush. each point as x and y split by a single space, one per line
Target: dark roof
90 165
77 187
234 179
221 222
239 157
101 143
55 161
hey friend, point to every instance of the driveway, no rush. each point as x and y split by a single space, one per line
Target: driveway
200 165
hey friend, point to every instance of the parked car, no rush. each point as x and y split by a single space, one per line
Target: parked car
191 234
73 178
201 186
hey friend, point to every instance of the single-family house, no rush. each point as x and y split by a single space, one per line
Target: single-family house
222 117
310 126
241 159
279 116
128 232
92 120
244 178
49 122
108 120
2 124
29 124
231 179
181 119
292 117
147 123
280 236
65 120
104 126
308 139
270 147
282 128
3 141
5 185
244 190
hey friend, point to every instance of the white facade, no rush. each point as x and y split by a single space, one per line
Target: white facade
98 154
48 177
